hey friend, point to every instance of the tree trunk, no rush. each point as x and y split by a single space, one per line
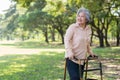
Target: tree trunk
62 36
106 41
61 32
99 33
52 30
106 31
118 34
118 39
22 37
46 35
101 40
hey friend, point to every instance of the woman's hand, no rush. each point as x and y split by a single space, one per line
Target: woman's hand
71 57
93 55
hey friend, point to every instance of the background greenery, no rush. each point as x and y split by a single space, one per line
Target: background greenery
47 20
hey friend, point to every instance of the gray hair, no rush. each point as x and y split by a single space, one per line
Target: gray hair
86 11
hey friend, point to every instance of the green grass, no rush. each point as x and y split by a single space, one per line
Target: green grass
41 66
50 65
34 44
109 52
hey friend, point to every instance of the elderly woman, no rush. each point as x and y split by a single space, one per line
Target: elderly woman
77 43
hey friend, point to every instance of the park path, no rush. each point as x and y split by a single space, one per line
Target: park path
7 50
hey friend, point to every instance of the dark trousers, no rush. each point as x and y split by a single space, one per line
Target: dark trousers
74 70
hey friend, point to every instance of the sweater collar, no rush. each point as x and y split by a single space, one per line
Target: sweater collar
78 26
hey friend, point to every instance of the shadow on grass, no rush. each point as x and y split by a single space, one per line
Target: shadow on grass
109 52
45 66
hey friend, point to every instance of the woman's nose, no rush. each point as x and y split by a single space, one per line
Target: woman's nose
79 17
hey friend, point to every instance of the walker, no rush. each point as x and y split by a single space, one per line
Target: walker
86 70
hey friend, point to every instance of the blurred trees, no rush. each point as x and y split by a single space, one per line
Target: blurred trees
8 22
103 13
52 18
102 16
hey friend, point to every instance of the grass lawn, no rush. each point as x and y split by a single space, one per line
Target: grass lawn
49 65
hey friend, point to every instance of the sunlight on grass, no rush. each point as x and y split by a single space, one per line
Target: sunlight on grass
15 65
2 61
10 71
48 63
110 72
93 76
22 58
10 65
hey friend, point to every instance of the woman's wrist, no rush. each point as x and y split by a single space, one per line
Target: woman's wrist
91 53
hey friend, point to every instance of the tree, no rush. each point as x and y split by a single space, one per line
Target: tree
34 18
57 15
57 20
102 16
9 21
24 3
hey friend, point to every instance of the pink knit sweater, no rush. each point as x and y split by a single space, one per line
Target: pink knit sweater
77 41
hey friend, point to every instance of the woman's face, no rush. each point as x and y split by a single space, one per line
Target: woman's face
81 18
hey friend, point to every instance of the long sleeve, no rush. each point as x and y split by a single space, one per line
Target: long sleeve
89 49
68 41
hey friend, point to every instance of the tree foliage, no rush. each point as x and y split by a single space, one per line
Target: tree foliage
50 16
